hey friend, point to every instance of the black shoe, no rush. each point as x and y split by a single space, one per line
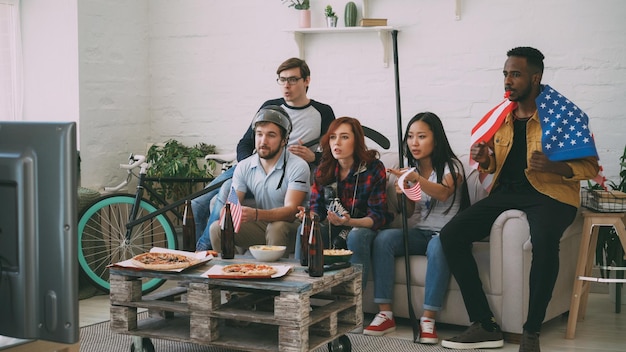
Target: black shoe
530 342
475 337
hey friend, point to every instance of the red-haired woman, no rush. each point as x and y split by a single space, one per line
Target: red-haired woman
348 191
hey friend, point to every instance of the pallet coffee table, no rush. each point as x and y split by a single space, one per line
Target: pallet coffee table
292 313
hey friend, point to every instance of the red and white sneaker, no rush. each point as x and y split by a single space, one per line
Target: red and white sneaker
380 326
428 332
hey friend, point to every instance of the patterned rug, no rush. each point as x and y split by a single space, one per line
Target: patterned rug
98 338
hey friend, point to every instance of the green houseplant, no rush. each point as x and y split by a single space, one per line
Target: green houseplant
304 11
331 17
298 4
175 160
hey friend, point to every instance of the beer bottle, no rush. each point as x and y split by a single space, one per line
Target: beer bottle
189 228
304 238
316 249
228 235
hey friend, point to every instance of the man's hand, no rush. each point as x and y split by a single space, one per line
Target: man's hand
480 153
540 162
248 214
302 151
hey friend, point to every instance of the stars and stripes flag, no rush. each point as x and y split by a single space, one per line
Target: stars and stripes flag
486 128
565 129
414 192
235 210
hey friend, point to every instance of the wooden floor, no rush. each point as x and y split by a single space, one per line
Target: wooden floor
603 330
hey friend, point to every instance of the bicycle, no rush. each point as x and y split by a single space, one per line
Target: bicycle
118 226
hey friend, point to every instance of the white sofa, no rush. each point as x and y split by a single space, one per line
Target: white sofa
503 260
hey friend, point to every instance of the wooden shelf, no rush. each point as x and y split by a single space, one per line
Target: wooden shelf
382 31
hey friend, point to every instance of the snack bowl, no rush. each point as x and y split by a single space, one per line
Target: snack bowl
265 253
332 256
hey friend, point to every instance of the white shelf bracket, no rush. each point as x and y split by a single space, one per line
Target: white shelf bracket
299 38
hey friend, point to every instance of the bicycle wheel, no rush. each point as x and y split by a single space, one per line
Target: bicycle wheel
102 237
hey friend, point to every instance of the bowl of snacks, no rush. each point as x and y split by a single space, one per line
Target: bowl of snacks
332 256
265 253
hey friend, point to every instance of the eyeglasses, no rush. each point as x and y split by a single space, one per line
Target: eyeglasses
292 80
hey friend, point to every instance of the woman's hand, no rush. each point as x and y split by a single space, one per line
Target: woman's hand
412 177
337 220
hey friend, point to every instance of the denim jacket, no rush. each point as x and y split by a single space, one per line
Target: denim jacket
563 189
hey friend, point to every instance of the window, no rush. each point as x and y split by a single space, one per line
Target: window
10 61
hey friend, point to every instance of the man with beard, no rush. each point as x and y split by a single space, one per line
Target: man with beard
310 120
279 181
526 176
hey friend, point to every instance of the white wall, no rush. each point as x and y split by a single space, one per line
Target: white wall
198 70
50 59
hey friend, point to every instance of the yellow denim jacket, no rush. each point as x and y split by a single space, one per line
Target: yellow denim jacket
563 189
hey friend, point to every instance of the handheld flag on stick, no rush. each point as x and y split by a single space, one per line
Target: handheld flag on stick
414 193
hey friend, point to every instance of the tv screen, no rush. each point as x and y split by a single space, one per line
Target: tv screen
38 241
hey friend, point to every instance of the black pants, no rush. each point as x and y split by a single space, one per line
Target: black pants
547 218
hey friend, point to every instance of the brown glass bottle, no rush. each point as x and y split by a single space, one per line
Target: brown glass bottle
189 229
316 249
228 235
304 238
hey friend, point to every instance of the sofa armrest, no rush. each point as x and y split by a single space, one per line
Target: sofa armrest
508 239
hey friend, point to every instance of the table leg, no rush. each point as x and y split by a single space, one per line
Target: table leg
581 267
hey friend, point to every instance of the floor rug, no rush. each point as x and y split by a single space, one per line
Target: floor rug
99 338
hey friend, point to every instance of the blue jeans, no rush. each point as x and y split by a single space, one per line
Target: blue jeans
360 241
202 212
389 244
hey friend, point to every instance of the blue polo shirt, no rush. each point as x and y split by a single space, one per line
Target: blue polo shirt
250 176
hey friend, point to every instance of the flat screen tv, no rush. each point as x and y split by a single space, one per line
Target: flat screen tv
38 238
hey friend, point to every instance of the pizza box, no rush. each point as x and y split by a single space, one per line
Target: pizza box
215 272
201 257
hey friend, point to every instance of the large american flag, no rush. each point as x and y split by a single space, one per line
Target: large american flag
565 127
486 128
235 210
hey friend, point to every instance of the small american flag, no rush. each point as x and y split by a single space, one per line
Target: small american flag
414 193
235 210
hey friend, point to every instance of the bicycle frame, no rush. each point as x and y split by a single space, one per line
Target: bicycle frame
141 186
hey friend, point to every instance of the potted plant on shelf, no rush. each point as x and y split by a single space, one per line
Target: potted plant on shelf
331 17
304 8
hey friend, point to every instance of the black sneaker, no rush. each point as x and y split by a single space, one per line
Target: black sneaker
530 342
475 337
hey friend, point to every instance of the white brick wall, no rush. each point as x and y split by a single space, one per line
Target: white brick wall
197 70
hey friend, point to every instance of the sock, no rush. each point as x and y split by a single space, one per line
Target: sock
425 318
490 324
388 313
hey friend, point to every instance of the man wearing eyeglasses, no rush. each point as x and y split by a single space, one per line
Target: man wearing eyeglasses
310 121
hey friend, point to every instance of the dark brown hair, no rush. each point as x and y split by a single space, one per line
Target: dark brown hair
293 63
